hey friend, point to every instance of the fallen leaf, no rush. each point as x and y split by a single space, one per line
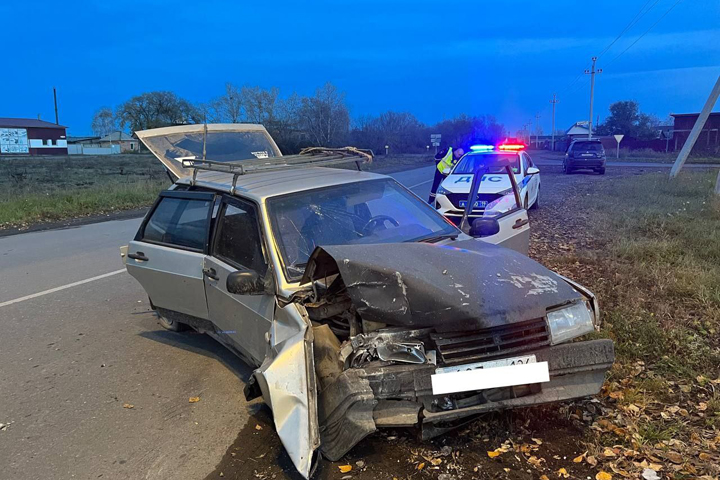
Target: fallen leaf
579 458
258 427
345 468
194 399
704 456
608 452
436 461
702 406
128 405
535 462
591 460
674 457
537 440
563 473
544 477
603 476
494 453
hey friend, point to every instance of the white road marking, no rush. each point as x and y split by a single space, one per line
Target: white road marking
57 289
421 183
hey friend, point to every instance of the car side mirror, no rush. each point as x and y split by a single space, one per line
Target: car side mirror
484 227
532 171
246 282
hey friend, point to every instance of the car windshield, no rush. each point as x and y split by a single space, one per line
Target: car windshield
588 146
219 146
494 162
377 211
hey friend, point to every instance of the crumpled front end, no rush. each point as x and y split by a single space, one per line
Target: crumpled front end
384 335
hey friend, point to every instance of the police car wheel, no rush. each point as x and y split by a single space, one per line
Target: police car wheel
535 205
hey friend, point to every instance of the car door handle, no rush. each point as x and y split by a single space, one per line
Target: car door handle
138 256
210 273
521 222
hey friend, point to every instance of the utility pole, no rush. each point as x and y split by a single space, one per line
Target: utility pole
537 130
57 122
592 73
554 102
695 133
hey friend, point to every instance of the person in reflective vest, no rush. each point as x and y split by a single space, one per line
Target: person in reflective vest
445 160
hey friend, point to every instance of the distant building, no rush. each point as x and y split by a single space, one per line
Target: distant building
28 136
579 129
115 142
709 139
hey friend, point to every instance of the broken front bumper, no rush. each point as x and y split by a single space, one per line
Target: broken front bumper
361 400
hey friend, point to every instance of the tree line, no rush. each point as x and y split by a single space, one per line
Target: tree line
297 121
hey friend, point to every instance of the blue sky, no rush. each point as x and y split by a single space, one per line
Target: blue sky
433 58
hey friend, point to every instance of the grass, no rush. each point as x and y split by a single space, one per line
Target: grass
46 189
34 190
662 250
649 155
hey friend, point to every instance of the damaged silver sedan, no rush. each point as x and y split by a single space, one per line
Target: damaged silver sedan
359 305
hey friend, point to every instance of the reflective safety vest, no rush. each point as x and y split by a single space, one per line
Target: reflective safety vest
447 162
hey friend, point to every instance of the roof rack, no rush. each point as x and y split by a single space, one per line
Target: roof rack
308 157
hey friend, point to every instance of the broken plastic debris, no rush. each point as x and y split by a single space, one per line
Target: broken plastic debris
128 405
650 474
344 468
194 399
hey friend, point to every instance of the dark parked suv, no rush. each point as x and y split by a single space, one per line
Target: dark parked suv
585 154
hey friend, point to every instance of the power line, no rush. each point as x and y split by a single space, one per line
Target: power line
632 23
645 33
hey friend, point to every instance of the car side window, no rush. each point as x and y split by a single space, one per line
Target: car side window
525 162
529 160
237 240
180 222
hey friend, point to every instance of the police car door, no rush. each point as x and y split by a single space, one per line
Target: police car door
506 218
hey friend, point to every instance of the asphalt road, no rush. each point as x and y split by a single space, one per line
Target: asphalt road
80 346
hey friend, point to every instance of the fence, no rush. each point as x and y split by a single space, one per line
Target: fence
89 149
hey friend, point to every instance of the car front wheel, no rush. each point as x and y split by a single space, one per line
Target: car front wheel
536 203
172 325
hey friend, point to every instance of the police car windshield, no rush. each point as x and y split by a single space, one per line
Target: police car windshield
494 162
375 211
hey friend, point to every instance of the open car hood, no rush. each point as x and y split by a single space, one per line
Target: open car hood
462 286
224 142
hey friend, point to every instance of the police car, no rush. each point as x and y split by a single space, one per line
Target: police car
495 187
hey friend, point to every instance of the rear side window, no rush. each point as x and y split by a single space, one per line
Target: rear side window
179 222
238 238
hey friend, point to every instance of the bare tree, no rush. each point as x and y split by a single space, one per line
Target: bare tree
260 105
324 116
229 106
157 109
104 122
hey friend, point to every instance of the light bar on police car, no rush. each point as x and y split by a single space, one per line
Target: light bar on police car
511 147
482 148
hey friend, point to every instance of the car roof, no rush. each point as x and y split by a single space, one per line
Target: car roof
262 185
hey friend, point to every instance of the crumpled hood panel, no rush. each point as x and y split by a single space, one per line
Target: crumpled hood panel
464 285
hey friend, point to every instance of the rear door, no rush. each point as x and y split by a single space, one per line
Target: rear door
169 250
237 246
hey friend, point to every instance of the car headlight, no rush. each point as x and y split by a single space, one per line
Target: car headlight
570 322
442 191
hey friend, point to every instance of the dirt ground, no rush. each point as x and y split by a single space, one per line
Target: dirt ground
549 437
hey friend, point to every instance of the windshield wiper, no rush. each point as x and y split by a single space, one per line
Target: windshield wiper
436 238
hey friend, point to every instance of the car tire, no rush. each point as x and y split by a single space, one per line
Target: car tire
566 169
601 171
171 325
536 204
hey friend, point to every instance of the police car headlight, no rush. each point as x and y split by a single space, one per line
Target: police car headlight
570 322
442 191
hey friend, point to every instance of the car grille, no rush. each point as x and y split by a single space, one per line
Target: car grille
464 347
456 198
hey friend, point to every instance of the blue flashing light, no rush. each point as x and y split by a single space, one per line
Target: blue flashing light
482 148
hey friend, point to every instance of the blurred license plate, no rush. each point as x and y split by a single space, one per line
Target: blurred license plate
485 375
503 362
478 204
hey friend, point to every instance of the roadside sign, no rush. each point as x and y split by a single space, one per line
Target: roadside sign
617 139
